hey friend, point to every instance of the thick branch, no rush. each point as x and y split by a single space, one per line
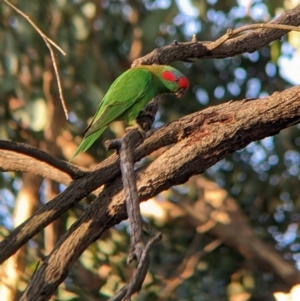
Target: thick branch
15 156
257 118
204 138
248 42
223 129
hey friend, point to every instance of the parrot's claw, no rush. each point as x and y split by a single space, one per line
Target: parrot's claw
137 128
145 119
145 113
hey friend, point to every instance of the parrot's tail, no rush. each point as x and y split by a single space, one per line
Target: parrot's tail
87 142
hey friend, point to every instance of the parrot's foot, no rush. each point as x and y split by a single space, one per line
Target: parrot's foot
138 128
135 139
145 113
145 119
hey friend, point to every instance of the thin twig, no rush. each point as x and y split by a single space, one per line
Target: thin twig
230 33
48 42
34 26
63 102
266 25
221 40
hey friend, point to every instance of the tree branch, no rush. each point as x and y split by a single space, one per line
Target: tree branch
16 156
226 46
204 138
125 149
139 251
213 134
201 139
136 282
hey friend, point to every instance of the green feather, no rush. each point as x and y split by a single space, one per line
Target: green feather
121 96
87 142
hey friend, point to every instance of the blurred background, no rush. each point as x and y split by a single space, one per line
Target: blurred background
229 234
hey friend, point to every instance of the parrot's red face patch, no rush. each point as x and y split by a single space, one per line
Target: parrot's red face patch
168 75
183 83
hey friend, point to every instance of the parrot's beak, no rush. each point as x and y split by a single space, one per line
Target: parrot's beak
180 92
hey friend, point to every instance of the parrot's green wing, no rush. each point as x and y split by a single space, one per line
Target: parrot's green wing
127 89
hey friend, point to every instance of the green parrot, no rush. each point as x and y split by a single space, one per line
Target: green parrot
129 94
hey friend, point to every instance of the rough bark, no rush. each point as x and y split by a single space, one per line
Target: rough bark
203 138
